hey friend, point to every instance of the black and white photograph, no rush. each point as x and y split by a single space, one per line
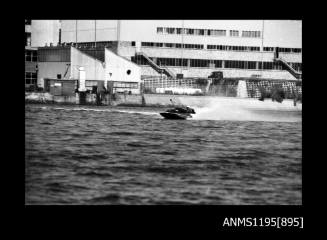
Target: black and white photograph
163 112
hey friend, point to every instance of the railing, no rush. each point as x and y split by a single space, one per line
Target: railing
159 69
291 70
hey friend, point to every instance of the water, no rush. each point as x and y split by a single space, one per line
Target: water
102 155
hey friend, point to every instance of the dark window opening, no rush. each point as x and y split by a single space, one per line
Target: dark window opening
27 39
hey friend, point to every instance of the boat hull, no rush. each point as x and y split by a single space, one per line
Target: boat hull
168 115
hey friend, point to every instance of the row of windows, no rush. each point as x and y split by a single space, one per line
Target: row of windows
288 50
251 34
240 64
30 56
205 63
191 31
54 55
233 33
219 47
207 32
125 85
30 78
232 48
177 62
99 44
172 45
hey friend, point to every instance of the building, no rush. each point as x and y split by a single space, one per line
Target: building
196 48
38 33
99 65
30 59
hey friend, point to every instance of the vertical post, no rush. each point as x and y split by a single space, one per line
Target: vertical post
95 46
262 33
182 32
118 35
95 33
76 35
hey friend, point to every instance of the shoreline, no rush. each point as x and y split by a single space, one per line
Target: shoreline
163 101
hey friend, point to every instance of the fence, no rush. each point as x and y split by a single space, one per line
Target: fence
256 89
150 84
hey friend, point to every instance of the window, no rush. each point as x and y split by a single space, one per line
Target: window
30 78
28 22
178 30
190 31
128 85
268 49
251 65
218 63
218 32
266 65
30 56
133 44
34 56
171 30
27 39
160 30
251 34
199 63
296 50
233 33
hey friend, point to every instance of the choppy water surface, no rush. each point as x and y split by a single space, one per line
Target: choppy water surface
102 155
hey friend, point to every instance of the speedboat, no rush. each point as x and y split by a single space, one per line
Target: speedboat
178 113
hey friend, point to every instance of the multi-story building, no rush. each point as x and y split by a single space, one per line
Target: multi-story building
30 58
38 33
196 48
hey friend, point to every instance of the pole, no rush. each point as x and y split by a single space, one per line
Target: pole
76 35
262 33
95 33
118 35
182 46
95 46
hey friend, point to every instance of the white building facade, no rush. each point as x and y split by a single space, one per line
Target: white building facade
196 48
65 62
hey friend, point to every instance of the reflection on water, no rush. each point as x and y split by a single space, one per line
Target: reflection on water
101 155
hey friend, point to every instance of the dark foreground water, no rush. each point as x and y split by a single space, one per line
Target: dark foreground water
101 155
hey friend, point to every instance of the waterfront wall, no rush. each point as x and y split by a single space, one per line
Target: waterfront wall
163 100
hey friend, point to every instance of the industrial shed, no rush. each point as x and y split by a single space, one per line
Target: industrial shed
100 64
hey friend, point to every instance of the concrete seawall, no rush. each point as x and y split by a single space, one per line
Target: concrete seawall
163 100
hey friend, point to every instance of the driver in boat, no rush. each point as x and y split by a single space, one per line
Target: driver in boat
190 109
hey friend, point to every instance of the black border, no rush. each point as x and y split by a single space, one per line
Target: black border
188 220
